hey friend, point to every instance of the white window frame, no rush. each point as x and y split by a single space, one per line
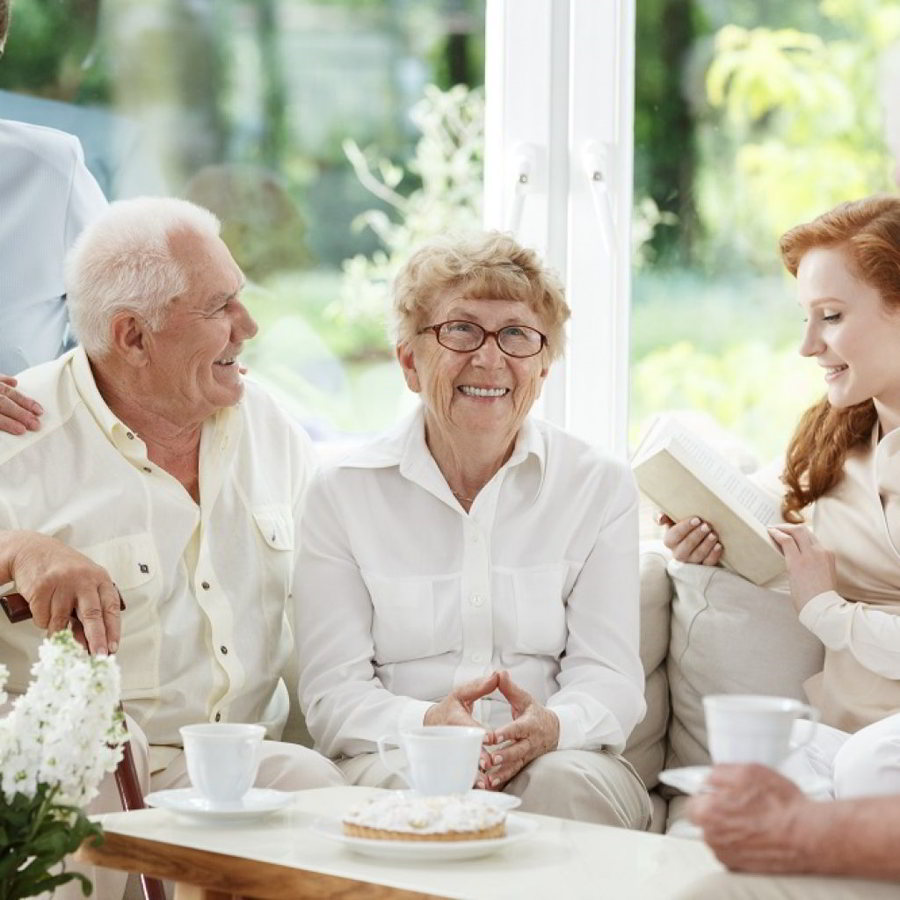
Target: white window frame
559 83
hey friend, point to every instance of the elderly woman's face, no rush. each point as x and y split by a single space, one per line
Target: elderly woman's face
486 389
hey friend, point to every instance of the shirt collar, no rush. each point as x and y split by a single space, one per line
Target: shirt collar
86 386
404 446
223 422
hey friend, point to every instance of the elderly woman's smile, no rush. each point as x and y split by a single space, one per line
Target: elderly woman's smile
483 393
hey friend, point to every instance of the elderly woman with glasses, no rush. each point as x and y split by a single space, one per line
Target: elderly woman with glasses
476 566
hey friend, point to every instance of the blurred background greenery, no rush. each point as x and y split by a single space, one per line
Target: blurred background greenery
331 137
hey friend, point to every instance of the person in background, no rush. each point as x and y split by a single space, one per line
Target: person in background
476 566
47 196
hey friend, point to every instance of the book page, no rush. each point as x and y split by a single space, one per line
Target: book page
727 481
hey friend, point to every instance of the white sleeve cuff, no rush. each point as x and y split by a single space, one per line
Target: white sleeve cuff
571 732
811 616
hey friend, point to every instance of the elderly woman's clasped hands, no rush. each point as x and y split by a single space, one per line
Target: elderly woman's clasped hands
533 731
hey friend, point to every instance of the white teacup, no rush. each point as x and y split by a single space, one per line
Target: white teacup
754 728
222 759
441 759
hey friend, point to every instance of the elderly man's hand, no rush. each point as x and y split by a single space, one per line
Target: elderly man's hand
810 566
754 819
533 731
60 583
18 413
691 540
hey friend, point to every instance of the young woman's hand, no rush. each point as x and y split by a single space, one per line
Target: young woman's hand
691 540
810 566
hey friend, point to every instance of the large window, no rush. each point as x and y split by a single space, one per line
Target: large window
652 150
749 118
328 136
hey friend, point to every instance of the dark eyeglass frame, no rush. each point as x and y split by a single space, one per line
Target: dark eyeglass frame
485 334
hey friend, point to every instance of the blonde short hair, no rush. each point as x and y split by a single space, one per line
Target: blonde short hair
488 265
123 261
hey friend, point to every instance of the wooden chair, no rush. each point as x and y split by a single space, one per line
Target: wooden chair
127 783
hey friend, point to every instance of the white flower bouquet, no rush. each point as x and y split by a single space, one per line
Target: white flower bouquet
56 744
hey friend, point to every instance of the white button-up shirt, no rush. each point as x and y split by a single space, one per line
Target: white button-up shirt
205 632
404 595
47 196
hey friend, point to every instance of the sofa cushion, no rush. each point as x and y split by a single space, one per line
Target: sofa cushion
729 636
646 747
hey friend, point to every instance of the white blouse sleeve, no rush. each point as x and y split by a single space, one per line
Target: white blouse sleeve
601 680
346 707
872 635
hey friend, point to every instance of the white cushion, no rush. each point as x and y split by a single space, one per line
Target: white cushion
729 636
646 747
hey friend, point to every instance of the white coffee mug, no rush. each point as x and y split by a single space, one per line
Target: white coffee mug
441 759
754 728
222 759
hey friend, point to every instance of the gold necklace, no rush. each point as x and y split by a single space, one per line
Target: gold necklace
460 497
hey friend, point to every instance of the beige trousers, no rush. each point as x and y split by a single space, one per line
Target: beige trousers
588 785
286 767
729 886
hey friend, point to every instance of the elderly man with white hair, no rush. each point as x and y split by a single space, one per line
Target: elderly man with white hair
159 475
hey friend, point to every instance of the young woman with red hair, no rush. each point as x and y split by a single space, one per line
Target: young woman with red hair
842 476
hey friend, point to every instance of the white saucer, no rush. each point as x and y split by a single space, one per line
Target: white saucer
692 780
497 799
517 828
187 802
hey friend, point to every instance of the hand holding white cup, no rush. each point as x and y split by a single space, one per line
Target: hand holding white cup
440 759
754 728
222 759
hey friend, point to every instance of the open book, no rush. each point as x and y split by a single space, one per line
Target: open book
684 477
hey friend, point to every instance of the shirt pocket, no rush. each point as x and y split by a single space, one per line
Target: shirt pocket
403 618
275 523
133 564
541 609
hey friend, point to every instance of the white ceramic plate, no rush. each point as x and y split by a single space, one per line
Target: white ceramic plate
692 779
187 802
517 828
497 799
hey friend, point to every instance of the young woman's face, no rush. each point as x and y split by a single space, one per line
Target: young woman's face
849 331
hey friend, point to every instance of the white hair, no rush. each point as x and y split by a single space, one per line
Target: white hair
123 262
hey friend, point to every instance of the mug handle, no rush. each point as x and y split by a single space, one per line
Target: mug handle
384 742
811 713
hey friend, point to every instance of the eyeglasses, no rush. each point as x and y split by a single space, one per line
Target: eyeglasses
465 337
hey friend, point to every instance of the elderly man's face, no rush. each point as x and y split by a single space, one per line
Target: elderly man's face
193 357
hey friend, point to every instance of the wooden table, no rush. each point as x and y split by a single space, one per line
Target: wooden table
279 858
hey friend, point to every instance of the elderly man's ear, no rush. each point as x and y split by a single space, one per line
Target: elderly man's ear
128 336
408 364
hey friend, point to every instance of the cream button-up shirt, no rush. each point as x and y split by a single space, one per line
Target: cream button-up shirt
206 631
859 624
404 595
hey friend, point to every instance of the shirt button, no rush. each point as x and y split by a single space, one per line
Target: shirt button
224 649
474 538
147 469
130 435
218 717
476 600
205 585
477 657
